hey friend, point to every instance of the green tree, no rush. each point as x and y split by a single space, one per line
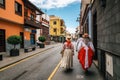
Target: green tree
14 40
42 38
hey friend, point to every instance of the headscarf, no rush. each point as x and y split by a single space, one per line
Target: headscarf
68 42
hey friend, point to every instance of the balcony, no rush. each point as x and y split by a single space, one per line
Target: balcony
32 22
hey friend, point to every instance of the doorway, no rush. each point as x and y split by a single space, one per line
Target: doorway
22 38
32 39
95 34
2 40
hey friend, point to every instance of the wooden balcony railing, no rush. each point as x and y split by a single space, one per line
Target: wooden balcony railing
32 22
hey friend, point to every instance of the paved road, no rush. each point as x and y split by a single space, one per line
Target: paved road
36 68
41 67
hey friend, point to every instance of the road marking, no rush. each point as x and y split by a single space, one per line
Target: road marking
54 71
4 68
25 59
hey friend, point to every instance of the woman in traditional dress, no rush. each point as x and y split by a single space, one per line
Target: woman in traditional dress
86 52
68 52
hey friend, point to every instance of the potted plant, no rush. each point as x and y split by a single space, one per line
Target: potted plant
42 39
14 40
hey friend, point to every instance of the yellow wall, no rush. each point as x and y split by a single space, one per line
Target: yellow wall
9 11
57 26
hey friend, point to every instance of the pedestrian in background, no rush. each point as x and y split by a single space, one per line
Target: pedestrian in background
68 52
86 52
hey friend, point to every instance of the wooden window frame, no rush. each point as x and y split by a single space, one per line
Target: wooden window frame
25 11
19 11
2 5
32 17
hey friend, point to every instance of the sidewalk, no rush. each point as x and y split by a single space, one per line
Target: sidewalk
7 60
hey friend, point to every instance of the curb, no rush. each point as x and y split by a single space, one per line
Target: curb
26 57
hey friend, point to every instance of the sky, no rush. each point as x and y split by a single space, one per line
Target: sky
68 10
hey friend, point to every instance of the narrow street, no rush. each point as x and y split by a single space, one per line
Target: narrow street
32 33
41 66
36 68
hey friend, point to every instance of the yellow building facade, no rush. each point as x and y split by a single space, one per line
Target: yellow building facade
57 28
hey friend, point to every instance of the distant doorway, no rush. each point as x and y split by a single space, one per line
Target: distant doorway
95 34
32 39
22 37
2 40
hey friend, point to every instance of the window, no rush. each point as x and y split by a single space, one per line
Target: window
32 17
54 30
61 24
54 22
18 8
61 31
26 12
2 3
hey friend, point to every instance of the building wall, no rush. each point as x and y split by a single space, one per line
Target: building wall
57 26
9 12
27 35
83 6
31 12
108 35
45 26
59 35
14 24
11 22
10 29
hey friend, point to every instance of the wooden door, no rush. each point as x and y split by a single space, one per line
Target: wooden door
2 40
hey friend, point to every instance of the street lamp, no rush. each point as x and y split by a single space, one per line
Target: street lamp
78 20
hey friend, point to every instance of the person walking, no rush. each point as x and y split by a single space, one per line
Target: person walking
68 52
86 52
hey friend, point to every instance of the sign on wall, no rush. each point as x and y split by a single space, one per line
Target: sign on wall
109 64
27 29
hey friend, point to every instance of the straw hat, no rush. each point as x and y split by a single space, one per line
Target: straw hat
68 37
85 35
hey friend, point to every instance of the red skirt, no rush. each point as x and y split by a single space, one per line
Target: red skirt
82 55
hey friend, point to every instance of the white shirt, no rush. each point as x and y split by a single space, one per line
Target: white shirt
79 44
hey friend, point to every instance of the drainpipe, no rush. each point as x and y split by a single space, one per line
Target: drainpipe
90 22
